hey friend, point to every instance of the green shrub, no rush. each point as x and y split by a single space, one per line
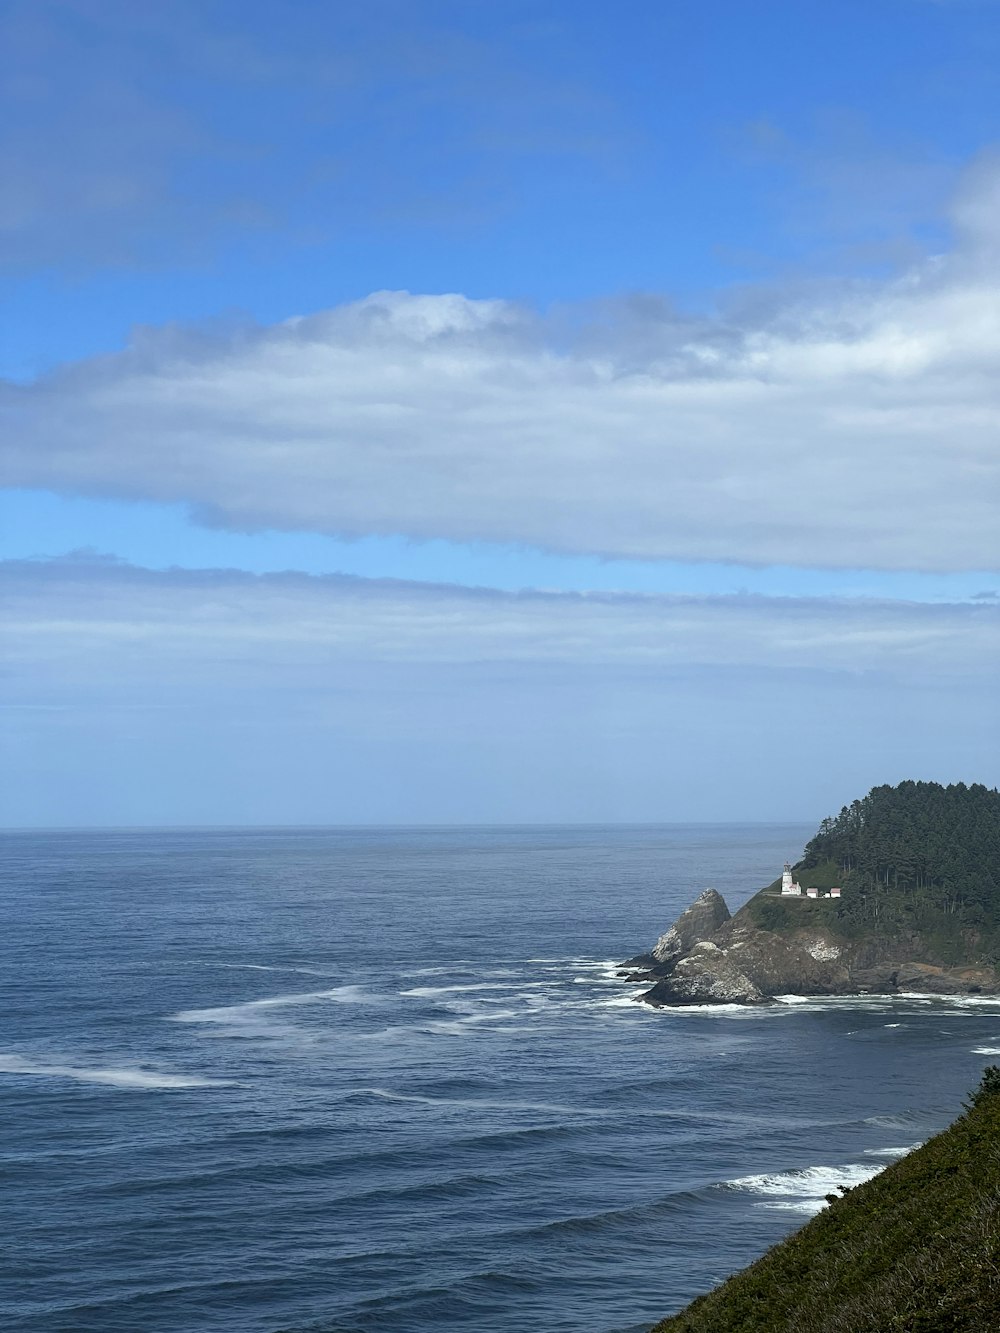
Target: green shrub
914 1250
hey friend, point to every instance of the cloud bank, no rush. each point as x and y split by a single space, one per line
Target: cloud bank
132 696
849 428
84 623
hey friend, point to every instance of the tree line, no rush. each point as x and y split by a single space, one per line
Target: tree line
918 850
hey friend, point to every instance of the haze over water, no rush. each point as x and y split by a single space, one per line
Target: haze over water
322 1081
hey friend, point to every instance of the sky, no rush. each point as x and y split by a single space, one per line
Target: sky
528 412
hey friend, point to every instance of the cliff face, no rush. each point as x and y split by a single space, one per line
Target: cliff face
710 957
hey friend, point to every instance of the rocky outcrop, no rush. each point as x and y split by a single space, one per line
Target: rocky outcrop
710 957
699 922
708 975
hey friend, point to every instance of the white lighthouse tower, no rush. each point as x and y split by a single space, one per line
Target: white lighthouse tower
788 885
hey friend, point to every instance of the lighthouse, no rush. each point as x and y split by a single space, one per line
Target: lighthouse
788 885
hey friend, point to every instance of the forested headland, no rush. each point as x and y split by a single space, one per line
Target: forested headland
918 870
918 856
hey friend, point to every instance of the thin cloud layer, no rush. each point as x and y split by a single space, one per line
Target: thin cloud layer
855 429
80 626
133 696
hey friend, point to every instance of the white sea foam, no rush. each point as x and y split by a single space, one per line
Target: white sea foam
432 971
429 992
268 967
239 1013
253 1019
838 1001
892 1152
548 1108
574 961
804 1191
710 1010
986 1050
958 1001
119 1078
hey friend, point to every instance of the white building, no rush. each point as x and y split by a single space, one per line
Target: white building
788 885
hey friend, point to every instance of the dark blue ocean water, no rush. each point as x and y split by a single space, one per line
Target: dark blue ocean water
355 1080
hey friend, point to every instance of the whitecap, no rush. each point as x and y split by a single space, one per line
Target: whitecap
804 1190
428 992
119 1078
892 1152
986 1050
274 967
712 1010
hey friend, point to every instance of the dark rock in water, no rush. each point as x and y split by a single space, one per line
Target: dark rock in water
945 981
707 975
699 922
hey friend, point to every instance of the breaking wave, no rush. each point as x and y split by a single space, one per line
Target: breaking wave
803 1190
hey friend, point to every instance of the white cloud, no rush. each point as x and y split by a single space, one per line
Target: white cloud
138 697
81 625
852 429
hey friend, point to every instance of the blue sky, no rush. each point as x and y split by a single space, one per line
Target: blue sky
648 302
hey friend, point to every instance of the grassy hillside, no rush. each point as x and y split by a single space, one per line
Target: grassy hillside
915 1250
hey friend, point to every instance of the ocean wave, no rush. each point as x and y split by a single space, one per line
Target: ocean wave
803 1190
577 962
627 1216
119 1078
429 992
899 1120
483 1104
986 1050
711 1010
463 967
821 1002
893 1152
248 1010
276 967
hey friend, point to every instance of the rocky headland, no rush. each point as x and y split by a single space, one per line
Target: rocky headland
710 957
916 908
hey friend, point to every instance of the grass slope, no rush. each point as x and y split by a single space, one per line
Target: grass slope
915 1250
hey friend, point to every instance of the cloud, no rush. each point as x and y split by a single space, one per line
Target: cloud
105 626
215 696
837 427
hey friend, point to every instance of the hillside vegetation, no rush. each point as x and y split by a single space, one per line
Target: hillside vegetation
915 1250
918 858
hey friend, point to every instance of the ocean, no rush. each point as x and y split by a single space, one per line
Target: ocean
346 1080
